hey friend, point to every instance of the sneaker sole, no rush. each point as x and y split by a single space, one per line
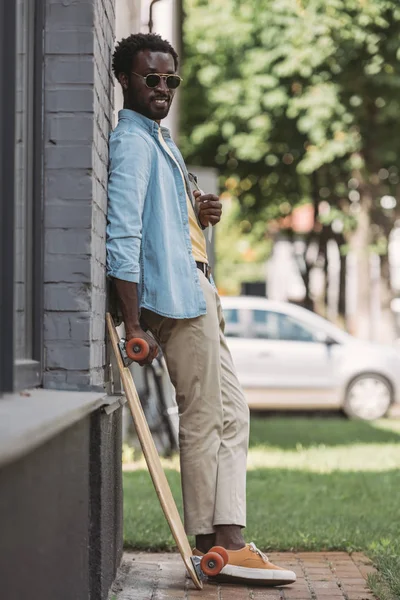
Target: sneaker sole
269 577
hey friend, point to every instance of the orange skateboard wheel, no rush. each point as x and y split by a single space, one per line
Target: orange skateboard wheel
211 564
222 552
137 349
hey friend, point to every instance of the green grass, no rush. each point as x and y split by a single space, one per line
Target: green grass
313 484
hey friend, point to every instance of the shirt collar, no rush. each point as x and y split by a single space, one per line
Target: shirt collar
143 121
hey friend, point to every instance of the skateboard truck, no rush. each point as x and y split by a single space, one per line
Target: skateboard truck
196 560
122 349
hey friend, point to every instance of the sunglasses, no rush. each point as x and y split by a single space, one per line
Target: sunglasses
152 80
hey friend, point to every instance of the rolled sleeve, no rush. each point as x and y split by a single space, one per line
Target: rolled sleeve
129 175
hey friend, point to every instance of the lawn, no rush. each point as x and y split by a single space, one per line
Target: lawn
313 484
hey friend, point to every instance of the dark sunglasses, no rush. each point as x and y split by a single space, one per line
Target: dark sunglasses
152 80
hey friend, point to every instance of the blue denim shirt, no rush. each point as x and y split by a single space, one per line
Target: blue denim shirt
148 237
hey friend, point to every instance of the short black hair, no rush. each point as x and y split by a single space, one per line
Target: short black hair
127 49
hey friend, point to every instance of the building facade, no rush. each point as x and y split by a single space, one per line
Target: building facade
60 427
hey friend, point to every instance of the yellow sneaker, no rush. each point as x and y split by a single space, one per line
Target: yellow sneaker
249 564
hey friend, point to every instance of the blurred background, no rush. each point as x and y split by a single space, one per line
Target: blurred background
296 105
289 110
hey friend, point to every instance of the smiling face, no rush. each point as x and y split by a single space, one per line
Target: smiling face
153 103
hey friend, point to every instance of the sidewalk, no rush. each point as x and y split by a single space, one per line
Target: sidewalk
320 576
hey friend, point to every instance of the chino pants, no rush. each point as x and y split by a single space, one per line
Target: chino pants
213 415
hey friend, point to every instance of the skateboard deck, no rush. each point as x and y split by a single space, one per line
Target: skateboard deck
152 458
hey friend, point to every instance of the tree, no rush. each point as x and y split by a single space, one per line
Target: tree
298 100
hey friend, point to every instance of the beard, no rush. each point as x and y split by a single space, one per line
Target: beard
155 107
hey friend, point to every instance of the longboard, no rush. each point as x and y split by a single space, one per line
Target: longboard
152 458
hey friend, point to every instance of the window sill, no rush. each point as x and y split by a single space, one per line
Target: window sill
28 421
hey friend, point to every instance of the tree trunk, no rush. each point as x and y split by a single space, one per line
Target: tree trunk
388 318
305 268
359 323
342 287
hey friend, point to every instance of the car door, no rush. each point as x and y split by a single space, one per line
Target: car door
236 324
283 354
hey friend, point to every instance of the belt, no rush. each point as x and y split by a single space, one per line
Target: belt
204 268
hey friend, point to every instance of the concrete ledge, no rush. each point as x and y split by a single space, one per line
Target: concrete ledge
28 419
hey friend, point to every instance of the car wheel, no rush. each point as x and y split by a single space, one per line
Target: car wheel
368 397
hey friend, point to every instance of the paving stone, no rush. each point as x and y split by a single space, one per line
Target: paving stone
268 594
294 593
321 576
231 592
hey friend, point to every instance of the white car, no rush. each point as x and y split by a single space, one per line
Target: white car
287 357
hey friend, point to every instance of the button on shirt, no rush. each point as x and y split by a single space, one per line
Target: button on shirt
148 234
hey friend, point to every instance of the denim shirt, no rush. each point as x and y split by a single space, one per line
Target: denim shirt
148 237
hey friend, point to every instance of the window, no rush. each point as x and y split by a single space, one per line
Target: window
23 191
278 326
21 59
7 107
233 327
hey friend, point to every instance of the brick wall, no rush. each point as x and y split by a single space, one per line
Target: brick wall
79 39
104 23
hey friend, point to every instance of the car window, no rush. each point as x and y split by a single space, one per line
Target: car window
233 327
271 325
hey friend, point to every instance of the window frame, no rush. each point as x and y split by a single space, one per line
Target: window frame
7 184
38 187
27 373
233 330
292 318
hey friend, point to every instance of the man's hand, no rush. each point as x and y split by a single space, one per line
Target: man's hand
128 299
137 332
210 208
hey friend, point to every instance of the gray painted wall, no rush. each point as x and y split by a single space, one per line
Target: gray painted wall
43 518
106 514
61 515
78 95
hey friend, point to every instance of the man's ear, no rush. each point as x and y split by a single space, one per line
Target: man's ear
123 79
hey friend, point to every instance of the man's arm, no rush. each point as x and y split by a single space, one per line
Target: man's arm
129 174
128 300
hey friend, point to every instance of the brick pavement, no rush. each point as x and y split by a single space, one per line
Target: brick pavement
320 576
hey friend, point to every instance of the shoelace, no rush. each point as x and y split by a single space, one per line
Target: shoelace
254 548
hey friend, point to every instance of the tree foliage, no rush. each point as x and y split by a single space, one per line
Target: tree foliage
297 100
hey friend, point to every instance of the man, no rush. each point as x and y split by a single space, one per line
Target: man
156 255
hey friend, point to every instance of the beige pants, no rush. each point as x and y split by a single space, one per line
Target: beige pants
214 417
